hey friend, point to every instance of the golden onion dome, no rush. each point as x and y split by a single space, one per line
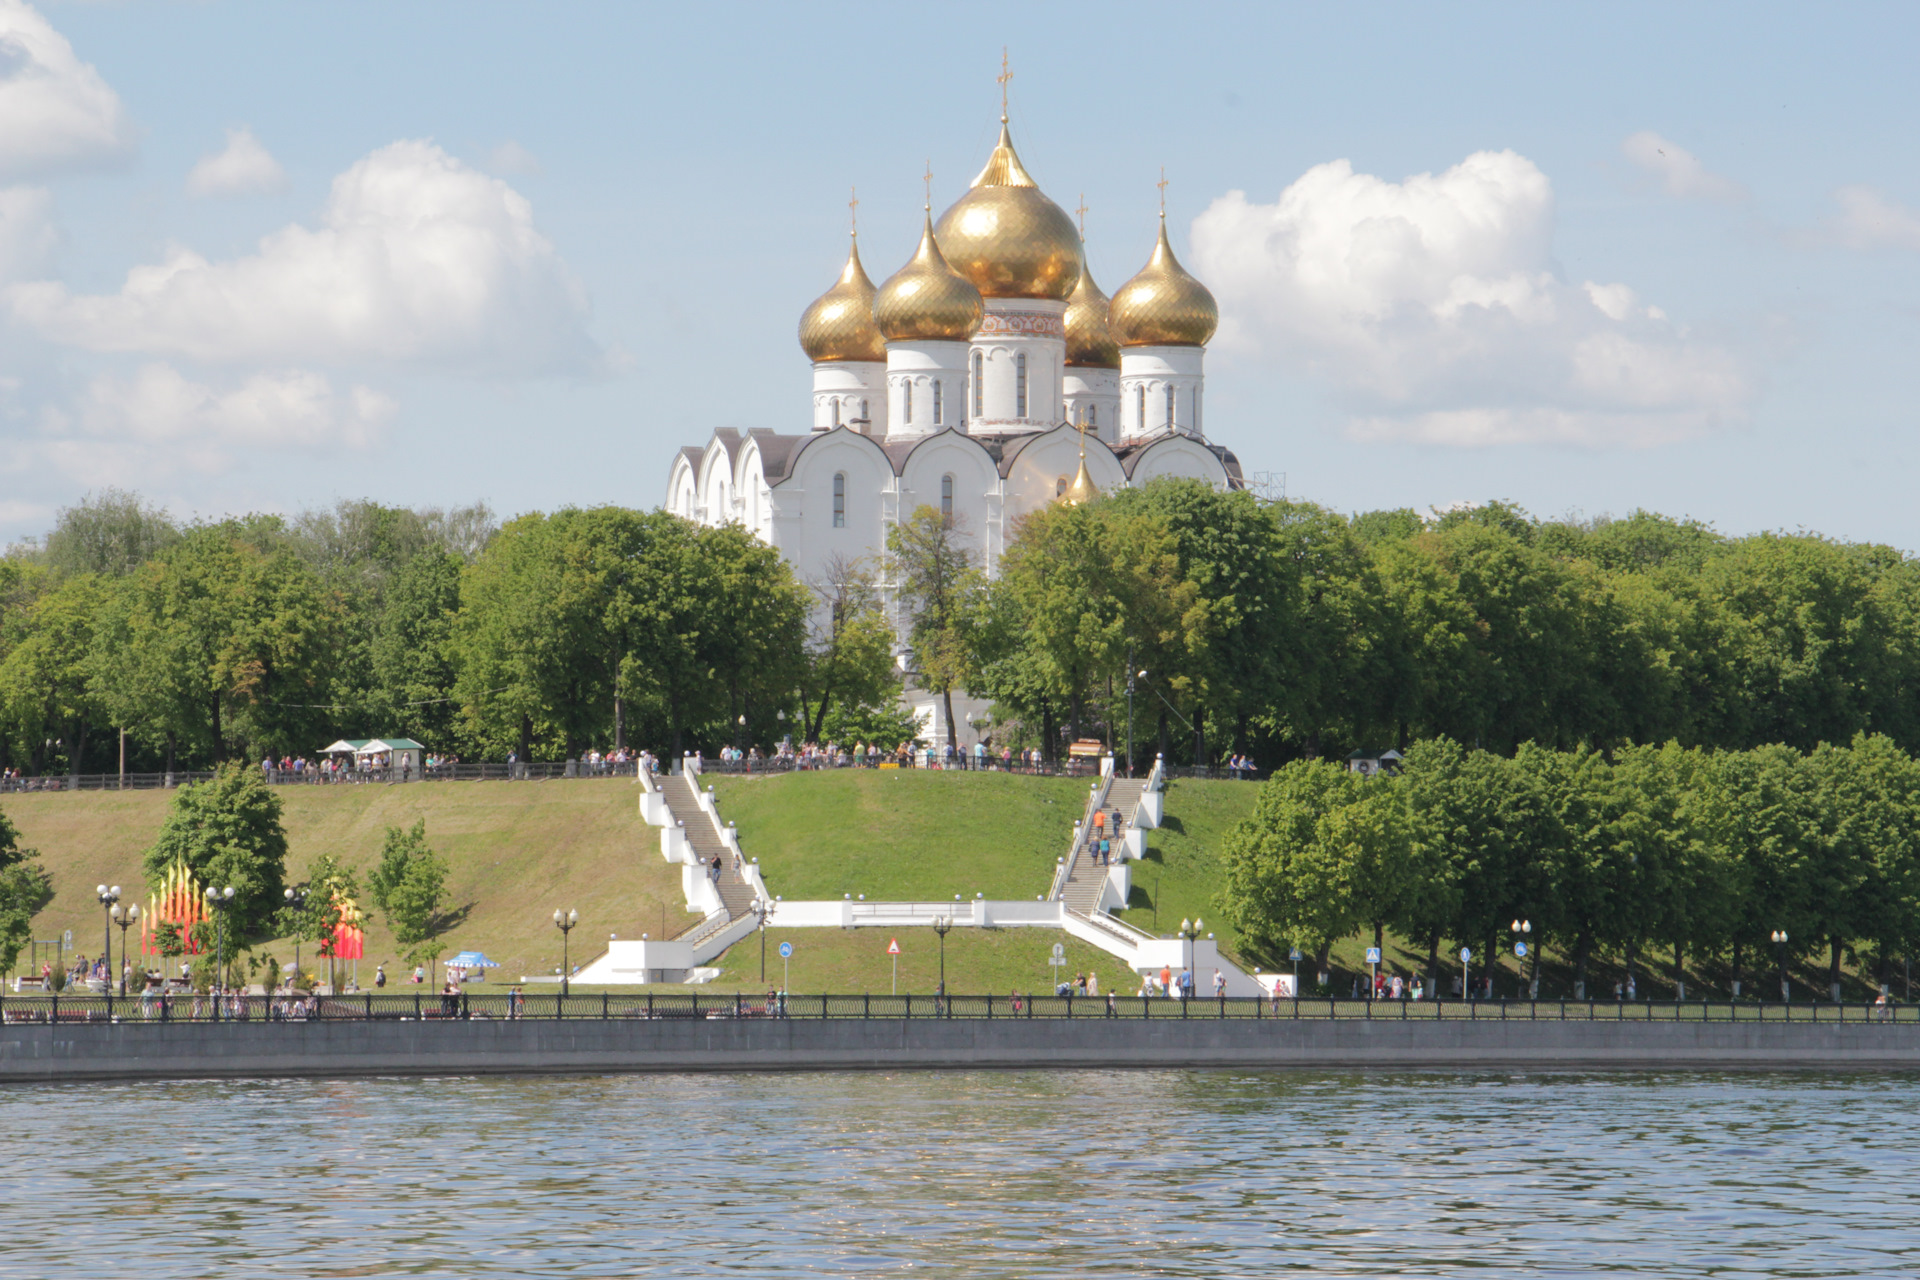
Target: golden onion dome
839 324
925 300
1007 237
1089 339
1082 490
1163 306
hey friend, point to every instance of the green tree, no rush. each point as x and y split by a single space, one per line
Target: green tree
937 582
46 689
25 890
112 532
1284 864
228 832
849 661
332 896
409 886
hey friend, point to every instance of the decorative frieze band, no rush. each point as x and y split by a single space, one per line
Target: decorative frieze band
1033 324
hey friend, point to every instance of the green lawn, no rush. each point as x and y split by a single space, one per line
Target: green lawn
978 961
903 835
1181 877
517 850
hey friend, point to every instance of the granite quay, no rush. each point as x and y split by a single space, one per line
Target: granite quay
596 1033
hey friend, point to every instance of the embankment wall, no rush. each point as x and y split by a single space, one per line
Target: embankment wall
146 1051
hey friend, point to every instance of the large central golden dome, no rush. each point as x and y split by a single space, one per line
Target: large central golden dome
839 324
1090 342
926 300
1007 237
1163 306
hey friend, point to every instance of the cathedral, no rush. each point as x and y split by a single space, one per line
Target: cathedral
986 377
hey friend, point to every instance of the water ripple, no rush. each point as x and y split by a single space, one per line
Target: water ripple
955 1174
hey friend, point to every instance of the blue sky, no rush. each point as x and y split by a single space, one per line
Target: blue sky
1585 259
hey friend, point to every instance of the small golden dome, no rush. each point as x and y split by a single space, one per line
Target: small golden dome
1082 490
1089 339
839 325
1163 306
925 300
1007 237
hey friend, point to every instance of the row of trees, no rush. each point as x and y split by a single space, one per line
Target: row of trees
1670 857
548 636
1279 629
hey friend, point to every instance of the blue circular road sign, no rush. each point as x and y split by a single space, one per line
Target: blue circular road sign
786 951
1520 949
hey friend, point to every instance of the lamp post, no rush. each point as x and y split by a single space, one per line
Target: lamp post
109 896
1189 931
740 736
1466 961
761 907
220 900
126 918
564 922
1780 955
1521 930
941 926
297 899
1293 954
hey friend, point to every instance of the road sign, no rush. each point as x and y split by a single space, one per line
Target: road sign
1059 950
1466 954
786 951
1294 955
1373 955
1520 949
893 946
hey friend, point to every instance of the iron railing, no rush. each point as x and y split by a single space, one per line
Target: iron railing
532 771
1078 768
366 1006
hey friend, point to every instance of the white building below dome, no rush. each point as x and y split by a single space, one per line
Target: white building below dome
983 429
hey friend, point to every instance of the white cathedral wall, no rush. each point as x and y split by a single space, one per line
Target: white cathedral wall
1047 465
1014 327
682 490
1179 456
1146 373
716 486
914 370
1096 391
976 491
841 388
801 517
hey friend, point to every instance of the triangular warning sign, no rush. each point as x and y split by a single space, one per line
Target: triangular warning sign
893 946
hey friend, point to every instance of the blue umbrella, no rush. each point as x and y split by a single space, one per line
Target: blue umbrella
472 960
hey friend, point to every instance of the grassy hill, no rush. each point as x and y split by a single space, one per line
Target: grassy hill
903 834
519 850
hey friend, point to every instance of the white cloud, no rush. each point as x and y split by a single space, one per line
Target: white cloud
1680 172
418 262
284 408
512 158
27 232
1870 220
57 112
1433 307
242 168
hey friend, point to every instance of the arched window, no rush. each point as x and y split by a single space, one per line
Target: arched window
1060 487
1140 408
839 499
1169 406
979 396
946 498
1093 416
938 408
1020 385
863 412
906 400
836 411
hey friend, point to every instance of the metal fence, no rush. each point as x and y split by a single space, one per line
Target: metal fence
535 772
365 1007
1079 768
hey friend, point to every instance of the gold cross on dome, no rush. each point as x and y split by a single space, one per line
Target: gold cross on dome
1082 211
853 209
928 177
1004 76
1162 184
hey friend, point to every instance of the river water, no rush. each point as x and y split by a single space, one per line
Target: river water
1174 1173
